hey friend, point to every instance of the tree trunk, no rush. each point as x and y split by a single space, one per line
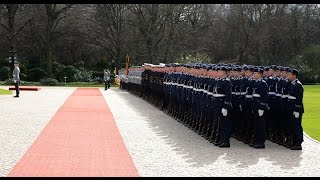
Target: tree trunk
49 60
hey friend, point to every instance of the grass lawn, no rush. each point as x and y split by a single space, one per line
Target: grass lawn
5 92
311 116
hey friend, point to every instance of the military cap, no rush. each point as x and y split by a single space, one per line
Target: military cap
250 68
260 70
274 67
244 67
223 68
16 62
285 69
237 68
293 71
279 68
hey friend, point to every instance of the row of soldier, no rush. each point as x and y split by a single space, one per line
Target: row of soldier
250 103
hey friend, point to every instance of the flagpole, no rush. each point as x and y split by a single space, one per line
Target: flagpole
127 64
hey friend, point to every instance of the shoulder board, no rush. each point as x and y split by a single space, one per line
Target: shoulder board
298 82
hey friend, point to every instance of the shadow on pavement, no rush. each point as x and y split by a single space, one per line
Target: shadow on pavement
198 151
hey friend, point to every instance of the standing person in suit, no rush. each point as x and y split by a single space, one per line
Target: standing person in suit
106 79
16 78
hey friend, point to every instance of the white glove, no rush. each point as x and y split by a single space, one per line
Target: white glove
240 107
224 112
296 114
14 81
260 112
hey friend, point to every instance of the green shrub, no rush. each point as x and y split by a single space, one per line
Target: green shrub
35 74
49 82
58 71
8 82
70 72
97 74
4 73
29 83
23 76
83 75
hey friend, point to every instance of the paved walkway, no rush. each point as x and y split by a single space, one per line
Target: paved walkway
157 144
80 140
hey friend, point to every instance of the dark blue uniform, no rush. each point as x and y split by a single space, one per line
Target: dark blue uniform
296 109
247 125
260 103
223 96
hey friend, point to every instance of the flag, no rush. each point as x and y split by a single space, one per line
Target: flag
127 64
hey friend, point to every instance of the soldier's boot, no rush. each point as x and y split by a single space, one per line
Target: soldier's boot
169 109
288 142
182 118
186 119
199 129
242 136
195 125
278 137
208 133
224 141
212 136
236 134
268 137
204 128
203 131
178 115
281 139
247 138
252 141
273 135
218 140
193 121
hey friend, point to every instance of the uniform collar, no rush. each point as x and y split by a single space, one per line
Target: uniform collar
294 81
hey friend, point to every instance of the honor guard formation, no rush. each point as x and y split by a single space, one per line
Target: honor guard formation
218 101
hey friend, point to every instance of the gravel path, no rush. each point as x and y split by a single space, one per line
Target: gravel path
158 144
161 146
22 119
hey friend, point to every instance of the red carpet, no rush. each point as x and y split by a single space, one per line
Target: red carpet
81 139
26 88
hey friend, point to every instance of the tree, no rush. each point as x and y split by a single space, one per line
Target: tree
110 29
54 16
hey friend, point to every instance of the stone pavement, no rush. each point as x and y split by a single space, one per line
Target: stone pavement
158 144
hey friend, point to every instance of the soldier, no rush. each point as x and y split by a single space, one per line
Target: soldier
260 100
203 97
184 94
213 109
189 94
277 133
271 116
166 85
222 93
247 123
284 110
145 81
194 97
236 101
295 108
